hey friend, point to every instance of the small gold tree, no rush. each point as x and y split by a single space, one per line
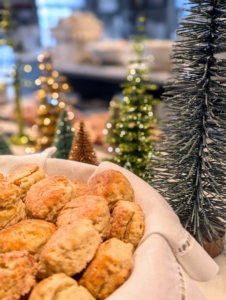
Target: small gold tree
82 149
51 96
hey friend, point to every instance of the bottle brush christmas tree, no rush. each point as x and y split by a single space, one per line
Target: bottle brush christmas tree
192 175
4 146
134 128
7 32
112 139
51 100
82 149
64 136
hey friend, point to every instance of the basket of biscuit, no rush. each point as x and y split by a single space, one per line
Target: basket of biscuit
70 230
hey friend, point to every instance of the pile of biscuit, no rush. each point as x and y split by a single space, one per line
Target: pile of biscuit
61 239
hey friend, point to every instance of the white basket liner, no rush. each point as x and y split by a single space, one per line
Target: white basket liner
161 271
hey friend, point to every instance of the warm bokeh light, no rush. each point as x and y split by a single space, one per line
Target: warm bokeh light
55 95
70 115
50 81
55 74
24 140
40 58
55 86
37 81
41 66
61 104
65 86
46 121
27 68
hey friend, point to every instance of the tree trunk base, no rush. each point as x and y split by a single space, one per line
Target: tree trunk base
211 247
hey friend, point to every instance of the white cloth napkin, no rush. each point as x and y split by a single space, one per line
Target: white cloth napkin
167 258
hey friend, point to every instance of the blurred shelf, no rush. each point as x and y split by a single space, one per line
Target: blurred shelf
31 56
104 72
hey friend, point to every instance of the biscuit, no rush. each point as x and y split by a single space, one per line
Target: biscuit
109 269
30 235
59 287
17 274
1 177
80 188
127 222
25 176
74 292
69 249
93 208
46 198
12 207
111 185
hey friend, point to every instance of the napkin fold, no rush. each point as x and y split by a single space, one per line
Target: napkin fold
8 163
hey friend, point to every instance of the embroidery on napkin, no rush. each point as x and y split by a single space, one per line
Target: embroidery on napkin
185 247
182 283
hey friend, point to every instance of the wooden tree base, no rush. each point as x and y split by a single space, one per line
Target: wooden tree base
212 249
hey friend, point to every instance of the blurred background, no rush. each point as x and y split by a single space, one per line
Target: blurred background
90 44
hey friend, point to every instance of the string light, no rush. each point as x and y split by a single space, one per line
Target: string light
46 121
65 86
50 81
52 88
130 134
44 140
30 150
54 102
40 58
55 95
71 115
27 68
38 82
61 104
41 66
48 66
109 125
55 74
24 140
139 46
153 87
55 85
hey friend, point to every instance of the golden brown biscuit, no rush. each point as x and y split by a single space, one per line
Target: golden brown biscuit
93 208
30 235
109 269
1 177
80 188
74 292
59 287
111 185
69 249
17 274
25 176
127 222
46 198
12 207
